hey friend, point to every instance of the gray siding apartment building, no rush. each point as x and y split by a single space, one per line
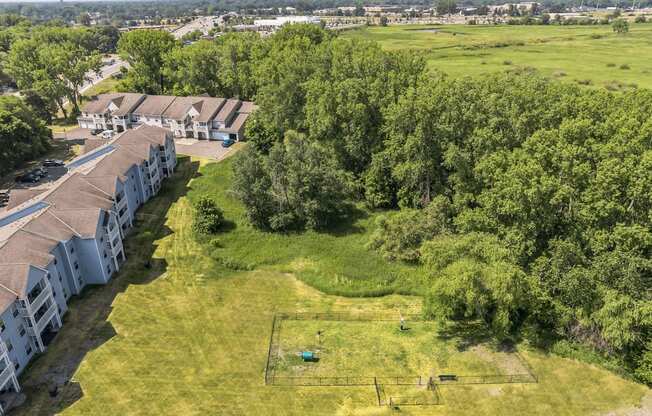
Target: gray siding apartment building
207 118
58 238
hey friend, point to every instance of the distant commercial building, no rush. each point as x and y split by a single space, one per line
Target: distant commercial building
275 23
58 238
206 118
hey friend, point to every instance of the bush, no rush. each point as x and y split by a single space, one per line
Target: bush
624 66
507 62
620 26
208 217
399 236
585 82
611 65
640 19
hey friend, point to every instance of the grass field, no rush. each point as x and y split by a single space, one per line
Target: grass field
381 349
589 54
189 335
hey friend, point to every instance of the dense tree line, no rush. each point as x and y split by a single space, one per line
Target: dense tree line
527 201
23 136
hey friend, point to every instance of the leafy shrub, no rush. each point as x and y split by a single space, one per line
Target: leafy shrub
507 62
585 82
624 66
208 216
640 19
559 74
399 236
611 65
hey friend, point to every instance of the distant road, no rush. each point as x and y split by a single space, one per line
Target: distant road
105 73
203 24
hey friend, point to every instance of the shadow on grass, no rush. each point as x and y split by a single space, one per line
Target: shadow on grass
346 225
48 382
468 334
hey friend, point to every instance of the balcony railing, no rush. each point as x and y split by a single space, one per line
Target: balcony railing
6 375
121 203
34 306
43 320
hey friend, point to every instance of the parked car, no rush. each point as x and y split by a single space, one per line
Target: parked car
227 143
28 178
95 132
107 134
40 172
53 162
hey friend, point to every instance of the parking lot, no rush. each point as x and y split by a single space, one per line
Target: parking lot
203 148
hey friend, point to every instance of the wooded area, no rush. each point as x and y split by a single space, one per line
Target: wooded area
529 201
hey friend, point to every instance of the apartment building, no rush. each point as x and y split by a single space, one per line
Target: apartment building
57 239
204 118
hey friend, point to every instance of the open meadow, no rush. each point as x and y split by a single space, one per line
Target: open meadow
184 328
589 55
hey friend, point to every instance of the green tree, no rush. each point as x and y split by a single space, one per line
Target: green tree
23 135
620 26
144 50
208 217
398 236
299 186
55 63
193 70
474 277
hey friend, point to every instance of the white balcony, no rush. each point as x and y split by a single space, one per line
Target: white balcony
112 231
29 308
43 321
115 249
6 374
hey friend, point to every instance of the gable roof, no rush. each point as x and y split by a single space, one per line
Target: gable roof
124 101
154 105
227 110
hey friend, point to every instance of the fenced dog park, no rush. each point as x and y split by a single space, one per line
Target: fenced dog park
405 358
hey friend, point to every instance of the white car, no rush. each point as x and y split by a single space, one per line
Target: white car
107 134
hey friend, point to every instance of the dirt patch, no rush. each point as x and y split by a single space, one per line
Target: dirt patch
506 362
495 391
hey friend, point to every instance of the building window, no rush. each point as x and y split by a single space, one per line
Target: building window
2 325
9 346
76 265
55 262
16 366
108 269
28 349
14 312
60 278
49 276
21 331
72 249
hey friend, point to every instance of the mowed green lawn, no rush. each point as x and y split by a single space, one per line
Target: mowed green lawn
381 349
187 333
568 53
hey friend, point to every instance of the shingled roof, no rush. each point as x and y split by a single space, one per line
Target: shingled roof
125 102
